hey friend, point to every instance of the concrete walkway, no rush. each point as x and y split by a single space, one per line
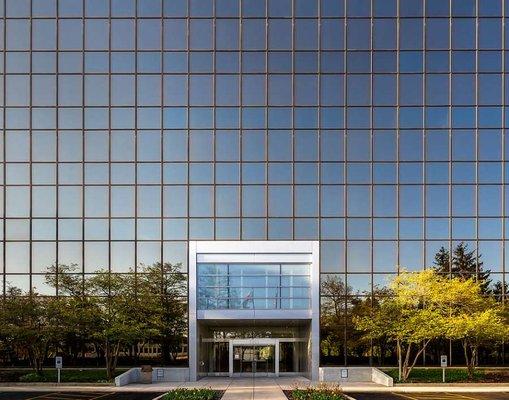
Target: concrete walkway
254 389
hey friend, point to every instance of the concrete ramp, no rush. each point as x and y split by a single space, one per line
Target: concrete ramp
354 375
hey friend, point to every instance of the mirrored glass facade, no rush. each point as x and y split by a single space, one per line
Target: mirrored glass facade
130 127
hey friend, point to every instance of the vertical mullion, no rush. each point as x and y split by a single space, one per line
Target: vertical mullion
214 128
83 104
450 132
30 133
477 137
292 130
424 137
136 132
188 111
4 191
109 135
161 139
57 157
504 143
372 189
398 50
345 179
266 133
319 138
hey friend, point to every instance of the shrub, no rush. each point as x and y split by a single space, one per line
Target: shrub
318 393
192 394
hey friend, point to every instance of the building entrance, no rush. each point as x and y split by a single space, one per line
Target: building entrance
258 360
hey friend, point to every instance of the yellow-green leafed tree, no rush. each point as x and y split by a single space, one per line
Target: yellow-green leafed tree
426 305
475 322
412 316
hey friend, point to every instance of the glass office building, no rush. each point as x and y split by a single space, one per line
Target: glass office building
132 127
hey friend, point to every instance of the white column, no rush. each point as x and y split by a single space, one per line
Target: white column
230 357
192 333
315 312
276 358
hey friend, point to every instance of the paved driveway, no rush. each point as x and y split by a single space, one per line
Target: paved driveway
77 396
430 396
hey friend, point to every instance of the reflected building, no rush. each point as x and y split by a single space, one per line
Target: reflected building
132 128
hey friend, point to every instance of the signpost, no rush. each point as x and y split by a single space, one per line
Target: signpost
58 366
443 364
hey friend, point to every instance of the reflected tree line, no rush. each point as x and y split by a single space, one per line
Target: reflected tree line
104 317
341 343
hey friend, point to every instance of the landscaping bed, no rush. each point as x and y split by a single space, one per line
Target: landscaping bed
316 393
453 375
50 375
193 394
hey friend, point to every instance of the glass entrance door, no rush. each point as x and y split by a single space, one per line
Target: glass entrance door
259 360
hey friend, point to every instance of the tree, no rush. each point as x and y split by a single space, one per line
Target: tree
117 305
474 319
31 323
162 287
443 261
411 316
79 310
333 318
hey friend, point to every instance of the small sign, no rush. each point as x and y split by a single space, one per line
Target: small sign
344 373
58 362
237 356
160 373
443 361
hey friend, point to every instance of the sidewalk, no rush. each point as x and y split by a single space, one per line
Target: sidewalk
262 388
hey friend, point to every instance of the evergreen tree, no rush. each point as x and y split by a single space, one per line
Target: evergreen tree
443 261
465 264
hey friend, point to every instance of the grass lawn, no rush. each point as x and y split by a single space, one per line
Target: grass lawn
434 375
193 394
317 393
50 375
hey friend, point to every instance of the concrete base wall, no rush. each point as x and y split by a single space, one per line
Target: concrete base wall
353 375
133 375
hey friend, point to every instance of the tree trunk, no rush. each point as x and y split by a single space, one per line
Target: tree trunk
398 345
407 366
470 352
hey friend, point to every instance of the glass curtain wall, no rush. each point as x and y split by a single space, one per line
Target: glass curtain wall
375 126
